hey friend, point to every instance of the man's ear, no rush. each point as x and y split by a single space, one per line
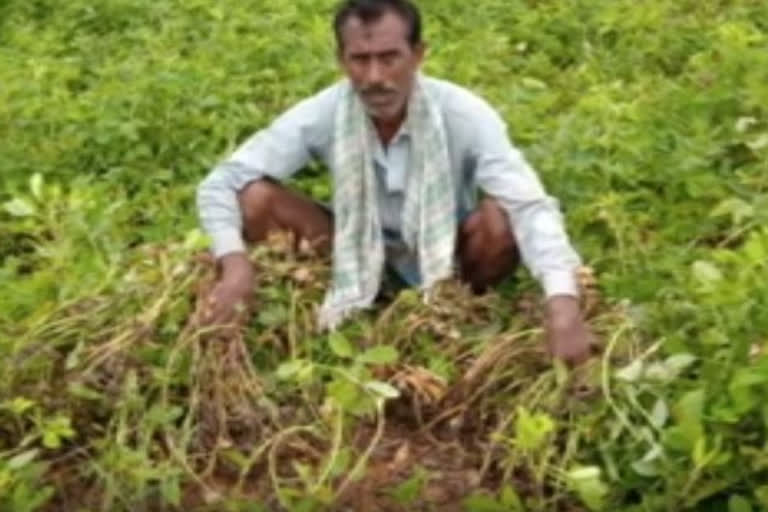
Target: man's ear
340 60
420 51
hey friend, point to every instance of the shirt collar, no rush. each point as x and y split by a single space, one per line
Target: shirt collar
403 131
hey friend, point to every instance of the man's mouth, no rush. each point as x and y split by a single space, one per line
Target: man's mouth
379 98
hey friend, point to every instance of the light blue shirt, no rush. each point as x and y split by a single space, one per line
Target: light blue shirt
481 157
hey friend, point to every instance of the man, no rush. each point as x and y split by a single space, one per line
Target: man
408 154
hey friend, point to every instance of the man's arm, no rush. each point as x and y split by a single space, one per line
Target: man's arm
277 151
503 173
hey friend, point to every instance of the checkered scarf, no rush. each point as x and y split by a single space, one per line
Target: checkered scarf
428 218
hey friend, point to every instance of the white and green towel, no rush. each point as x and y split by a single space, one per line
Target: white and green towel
428 218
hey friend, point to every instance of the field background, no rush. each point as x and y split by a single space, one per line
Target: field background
648 120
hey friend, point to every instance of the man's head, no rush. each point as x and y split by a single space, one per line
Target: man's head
380 49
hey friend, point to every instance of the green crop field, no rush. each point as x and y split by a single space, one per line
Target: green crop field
648 120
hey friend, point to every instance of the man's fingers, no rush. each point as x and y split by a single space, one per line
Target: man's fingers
224 307
580 357
239 307
228 314
207 316
218 319
213 310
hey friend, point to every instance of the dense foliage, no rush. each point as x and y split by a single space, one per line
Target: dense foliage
649 121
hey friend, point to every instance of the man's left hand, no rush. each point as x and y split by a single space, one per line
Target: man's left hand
569 337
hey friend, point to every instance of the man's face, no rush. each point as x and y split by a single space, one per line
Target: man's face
380 62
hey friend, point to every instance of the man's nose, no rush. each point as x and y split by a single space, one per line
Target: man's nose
374 73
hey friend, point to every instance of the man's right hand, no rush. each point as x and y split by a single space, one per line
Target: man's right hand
229 297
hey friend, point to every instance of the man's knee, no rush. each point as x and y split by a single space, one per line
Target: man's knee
488 247
257 200
493 225
267 206
499 223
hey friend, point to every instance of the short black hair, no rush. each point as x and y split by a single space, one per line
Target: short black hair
371 10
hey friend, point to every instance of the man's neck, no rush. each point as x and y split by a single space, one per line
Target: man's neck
387 129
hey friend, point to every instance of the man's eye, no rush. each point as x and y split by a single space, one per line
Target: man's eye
389 58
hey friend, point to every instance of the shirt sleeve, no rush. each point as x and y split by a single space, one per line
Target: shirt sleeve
277 151
503 173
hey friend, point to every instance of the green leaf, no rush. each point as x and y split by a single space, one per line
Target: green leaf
510 499
699 454
588 485
274 316
738 209
756 250
688 412
680 362
533 83
36 185
584 473
739 504
632 372
668 370
744 389
660 413
690 407
291 369
158 414
761 494
382 389
305 374
19 405
171 491
382 354
20 207
706 273
55 430
196 240
342 462
532 430
236 457
483 503
759 143
683 437
745 123
340 345
22 459
304 471
80 390
51 440
648 468
344 392
409 491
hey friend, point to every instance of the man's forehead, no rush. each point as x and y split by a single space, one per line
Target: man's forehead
389 30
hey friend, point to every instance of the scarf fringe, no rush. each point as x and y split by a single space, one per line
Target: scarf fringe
331 316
